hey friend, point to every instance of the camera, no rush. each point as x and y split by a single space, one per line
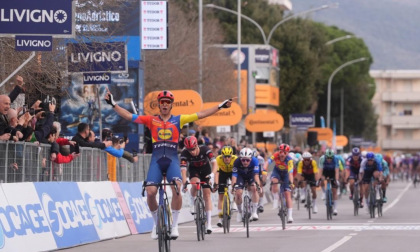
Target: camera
32 111
47 101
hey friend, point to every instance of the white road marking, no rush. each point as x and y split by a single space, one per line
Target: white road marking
395 201
324 228
353 234
337 244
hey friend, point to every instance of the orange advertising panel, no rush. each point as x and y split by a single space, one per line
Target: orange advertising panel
267 95
341 140
264 120
228 116
244 89
186 102
324 134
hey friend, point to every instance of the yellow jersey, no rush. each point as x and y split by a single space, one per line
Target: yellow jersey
308 169
225 167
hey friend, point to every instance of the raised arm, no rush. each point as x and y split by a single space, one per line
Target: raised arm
120 111
210 111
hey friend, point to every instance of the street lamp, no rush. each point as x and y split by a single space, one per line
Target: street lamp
334 5
338 39
329 85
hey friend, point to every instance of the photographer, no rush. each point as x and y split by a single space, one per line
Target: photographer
81 138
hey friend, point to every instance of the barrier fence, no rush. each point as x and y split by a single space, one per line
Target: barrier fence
29 162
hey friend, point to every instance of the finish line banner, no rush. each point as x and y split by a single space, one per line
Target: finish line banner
41 17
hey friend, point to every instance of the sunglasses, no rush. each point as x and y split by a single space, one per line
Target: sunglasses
245 160
167 102
284 152
329 158
192 149
306 159
227 156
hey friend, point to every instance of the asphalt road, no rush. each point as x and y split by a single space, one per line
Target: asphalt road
397 230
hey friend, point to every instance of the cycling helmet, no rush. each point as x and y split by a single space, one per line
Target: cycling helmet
256 154
246 153
370 156
307 155
379 156
345 156
165 94
364 153
227 151
329 153
355 151
292 156
298 156
190 142
284 147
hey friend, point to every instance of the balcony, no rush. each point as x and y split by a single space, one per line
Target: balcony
402 122
412 144
401 97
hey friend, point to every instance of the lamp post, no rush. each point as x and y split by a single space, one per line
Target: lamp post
200 47
329 85
338 39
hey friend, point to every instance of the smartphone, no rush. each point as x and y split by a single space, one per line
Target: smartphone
77 149
134 153
32 111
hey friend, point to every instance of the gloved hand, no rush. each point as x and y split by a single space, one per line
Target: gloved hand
225 104
110 100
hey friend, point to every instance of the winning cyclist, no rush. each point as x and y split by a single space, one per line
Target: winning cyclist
329 165
246 170
165 130
370 168
353 164
225 163
283 171
201 167
307 172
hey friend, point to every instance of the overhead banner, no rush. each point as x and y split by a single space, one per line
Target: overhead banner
41 17
154 31
228 116
302 120
264 120
186 102
97 57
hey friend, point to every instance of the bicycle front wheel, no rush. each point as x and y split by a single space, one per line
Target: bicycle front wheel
309 202
198 218
226 214
282 211
329 204
247 213
203 219
161 229
356 200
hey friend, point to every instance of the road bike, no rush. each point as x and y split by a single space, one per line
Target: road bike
308 197
200 215
372 198
226 210
164 220
356 198
329 199
282 201
379 199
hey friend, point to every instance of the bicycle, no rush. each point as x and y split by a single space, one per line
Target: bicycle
379 201
308 197
164 220
282 209
329 199
226 211
372 198
297 188
356 199
200 216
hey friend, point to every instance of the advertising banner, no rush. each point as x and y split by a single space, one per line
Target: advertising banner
154 20
24 224
228 116
186 102
138 206
264 120
302 120
267 95
97 78
104 209
33 43
67 213
262 56
97 57
41 17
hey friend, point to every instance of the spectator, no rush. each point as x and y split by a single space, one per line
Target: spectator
115 151
4 121
42 131
81 138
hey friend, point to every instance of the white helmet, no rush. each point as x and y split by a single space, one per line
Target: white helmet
293 156
306 155
246 153
364 153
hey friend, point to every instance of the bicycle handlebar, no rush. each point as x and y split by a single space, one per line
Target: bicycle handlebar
173 183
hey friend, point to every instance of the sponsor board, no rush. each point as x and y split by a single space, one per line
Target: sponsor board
302 120
104 209
264 120
186 102
224 117
33 43
262 55
154 20
97 78
41 17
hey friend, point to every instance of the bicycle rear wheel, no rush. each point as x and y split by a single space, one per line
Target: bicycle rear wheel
247 214
198 218
372 201
161 229
380 203
226 214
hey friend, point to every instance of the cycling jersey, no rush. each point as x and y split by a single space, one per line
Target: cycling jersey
243 173
225 167
385 168
353 166
307 169
368 169
328 168
165 136
281 170
198 166
261 163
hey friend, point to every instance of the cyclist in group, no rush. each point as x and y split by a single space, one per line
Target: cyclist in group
283 171
385 174
329 166
165 130
263 178
246 170
370 168
307 172
202 166
225 163
353 164
341 174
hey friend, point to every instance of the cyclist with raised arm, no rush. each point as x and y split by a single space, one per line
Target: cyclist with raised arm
307 172
225 163
201 166
370 168
165 130
329 166
353 164
246 171
283 171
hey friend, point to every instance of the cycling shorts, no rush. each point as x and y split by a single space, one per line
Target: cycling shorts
201 173
160 165
282 176
223 179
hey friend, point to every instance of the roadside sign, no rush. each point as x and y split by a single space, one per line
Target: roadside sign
264 120
302 120
186 102
33 43
97 78
228 116
40 17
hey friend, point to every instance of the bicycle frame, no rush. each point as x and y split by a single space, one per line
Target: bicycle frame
226 208
282 200
200 216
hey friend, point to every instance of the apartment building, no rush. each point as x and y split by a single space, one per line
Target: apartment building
397 103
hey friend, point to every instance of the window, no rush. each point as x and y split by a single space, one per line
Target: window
408 134
388 132
408 86
388 85
408 110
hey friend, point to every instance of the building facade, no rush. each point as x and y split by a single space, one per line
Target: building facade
397 104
